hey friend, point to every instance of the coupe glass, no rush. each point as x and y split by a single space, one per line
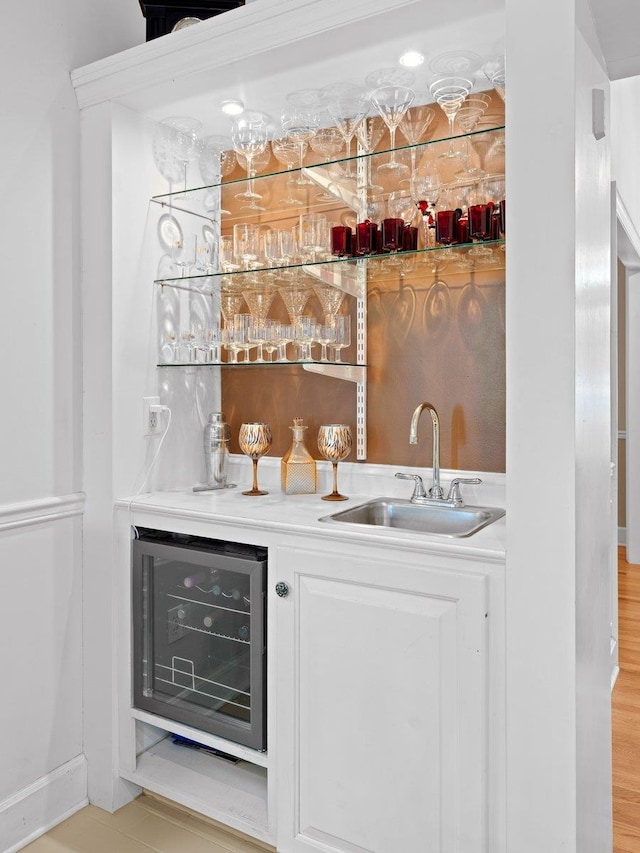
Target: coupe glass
392 102
287 152
334 444
301 126
255 440
249 136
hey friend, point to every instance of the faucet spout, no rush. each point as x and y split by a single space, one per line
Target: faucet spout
436 489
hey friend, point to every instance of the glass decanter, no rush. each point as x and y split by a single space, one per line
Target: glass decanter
298 467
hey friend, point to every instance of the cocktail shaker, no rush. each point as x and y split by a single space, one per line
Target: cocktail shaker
216 450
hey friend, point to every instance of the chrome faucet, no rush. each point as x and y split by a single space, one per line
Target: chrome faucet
435 493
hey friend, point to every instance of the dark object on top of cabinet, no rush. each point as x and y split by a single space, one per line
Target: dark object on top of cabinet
162 17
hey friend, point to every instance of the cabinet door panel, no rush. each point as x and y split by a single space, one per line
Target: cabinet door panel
387 715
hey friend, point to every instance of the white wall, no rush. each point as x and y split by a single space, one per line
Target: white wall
42 769
625 127
558 440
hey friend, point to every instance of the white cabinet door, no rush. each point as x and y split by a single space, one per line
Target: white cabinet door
381 696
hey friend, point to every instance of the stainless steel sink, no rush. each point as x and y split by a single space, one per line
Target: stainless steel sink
404 515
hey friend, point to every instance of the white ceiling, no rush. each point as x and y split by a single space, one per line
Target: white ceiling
618 27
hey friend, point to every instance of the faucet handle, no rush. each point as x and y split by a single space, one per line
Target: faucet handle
454 489
418 489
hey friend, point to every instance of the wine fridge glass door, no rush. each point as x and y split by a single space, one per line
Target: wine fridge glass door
199 635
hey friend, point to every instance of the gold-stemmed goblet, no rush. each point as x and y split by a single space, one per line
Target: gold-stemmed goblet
255 440
334 443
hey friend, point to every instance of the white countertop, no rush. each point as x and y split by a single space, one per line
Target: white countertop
300 514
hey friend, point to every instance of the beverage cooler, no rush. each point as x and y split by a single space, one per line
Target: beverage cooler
199 633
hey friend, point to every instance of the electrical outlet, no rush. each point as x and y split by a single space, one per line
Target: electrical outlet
150 420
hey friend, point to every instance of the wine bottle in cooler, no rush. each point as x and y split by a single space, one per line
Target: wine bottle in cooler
213 620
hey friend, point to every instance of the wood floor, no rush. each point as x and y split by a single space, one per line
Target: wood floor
151 825
147 825
626 713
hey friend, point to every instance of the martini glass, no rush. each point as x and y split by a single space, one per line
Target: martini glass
249 135
259 298
255 440
449 93
414 125
334 444
392 102
347 106
369 134
494 70
331 298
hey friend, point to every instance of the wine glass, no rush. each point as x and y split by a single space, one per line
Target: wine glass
342 339
184 140
216 159
249 136
392 102
163 154
334 444
255 440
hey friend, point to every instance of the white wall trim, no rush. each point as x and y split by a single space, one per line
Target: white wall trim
31 812
628 236
622 536
41 510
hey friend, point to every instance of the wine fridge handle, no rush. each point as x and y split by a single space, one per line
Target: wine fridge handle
282 589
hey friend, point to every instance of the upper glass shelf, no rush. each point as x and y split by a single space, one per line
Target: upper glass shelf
192 197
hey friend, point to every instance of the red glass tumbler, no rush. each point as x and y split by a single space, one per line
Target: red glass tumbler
480 221
392 234
340 240
366 238
447 226
409 238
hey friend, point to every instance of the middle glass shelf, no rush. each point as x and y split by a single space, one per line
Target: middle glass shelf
343 272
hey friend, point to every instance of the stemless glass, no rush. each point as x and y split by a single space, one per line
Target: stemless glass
255 440
334 444
249 136
392 102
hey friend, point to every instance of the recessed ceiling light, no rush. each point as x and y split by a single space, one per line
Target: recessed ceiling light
411 59
232 107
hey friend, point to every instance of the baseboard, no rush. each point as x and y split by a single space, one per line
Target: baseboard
622 536
34 810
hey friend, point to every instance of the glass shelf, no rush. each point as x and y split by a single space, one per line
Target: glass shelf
342 272
194 194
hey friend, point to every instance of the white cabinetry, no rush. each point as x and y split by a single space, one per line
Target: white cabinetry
381 720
